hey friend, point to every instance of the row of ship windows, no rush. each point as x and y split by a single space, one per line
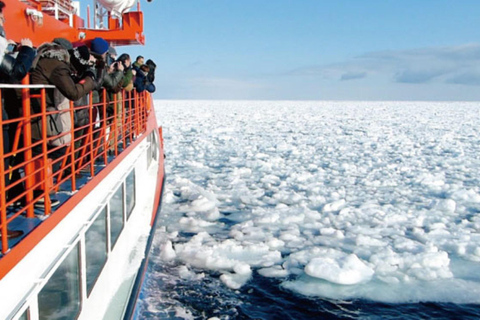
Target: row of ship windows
61 297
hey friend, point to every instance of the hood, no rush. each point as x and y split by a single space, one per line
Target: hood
53 51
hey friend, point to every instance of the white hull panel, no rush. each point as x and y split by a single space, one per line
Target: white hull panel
20 287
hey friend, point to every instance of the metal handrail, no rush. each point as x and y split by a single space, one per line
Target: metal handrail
89 144
26 86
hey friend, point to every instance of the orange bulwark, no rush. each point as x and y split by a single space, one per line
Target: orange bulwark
92 147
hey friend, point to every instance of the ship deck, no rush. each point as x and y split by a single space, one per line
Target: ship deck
27 225
93 148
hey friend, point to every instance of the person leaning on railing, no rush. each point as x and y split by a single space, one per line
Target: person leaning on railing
113 85
52 67
151 75
12 70
82 61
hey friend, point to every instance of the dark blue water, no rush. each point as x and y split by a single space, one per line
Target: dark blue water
263 298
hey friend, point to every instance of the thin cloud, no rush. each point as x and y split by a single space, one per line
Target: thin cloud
353 76
469 78
450 65
418 76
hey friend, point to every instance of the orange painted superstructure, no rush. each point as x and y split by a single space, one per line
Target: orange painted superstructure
24 21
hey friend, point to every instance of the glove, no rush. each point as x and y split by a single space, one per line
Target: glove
90 73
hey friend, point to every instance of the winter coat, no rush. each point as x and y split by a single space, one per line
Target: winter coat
12 70
141 82
151 73
112 81
127 84
52 67
136 66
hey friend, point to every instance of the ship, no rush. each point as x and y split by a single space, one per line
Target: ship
87 228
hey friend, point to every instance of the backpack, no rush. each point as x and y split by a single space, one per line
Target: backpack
57 123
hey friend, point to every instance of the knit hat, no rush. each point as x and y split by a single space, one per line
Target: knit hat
67 45
80 58
99 46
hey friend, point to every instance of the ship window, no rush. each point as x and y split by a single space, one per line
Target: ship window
149 150
154 146
130 193
60 297
116 215
24 316
96 248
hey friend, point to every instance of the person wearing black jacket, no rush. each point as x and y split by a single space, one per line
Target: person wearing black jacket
150 87
12 70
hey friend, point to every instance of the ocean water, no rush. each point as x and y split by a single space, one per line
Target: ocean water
326 210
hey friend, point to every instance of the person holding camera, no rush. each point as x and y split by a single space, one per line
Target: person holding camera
52 66
113 78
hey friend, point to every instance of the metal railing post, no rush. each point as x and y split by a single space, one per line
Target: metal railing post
27 144
46 165
115 125
3 194
72 146
104 124
90 134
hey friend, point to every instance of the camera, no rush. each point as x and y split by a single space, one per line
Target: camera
12 47
110 60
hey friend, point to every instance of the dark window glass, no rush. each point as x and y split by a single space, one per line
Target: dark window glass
130 193
60 298
96 248
116 215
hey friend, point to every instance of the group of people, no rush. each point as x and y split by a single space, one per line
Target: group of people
76 71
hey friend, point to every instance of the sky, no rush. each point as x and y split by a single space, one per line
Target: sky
314 49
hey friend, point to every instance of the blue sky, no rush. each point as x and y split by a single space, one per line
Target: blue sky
314 49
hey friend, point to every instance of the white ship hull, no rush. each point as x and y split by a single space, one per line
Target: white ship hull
74 231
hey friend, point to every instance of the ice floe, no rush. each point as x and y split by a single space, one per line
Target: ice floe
376 200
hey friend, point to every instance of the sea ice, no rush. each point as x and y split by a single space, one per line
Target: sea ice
335 199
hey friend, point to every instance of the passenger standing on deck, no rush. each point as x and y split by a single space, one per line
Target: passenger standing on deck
52 67
113 84
138 63
151 75
99 50
128 72
127 85
12 70
114 76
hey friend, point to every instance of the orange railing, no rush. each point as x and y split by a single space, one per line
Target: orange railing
39 169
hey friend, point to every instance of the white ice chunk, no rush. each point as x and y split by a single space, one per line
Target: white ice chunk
273 272
347 270
167 253
334 206
236 280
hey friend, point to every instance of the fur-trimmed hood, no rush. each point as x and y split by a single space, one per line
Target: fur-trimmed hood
53 51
